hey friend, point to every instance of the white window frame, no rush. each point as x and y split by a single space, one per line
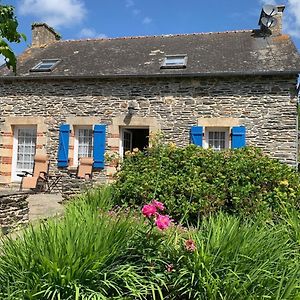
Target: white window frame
76 142
14 170
39 67
166 65
227 131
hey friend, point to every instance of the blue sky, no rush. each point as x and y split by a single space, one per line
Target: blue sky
75 19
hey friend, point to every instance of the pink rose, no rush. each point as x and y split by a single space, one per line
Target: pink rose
190 245
149 210
158 205
162 222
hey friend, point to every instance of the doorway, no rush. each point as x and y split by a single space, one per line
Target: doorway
132 138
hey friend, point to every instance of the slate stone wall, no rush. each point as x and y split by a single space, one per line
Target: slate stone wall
13 210
265 105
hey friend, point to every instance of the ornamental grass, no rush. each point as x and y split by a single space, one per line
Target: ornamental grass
97 251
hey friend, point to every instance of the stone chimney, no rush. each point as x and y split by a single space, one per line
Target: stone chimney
43 34
277 29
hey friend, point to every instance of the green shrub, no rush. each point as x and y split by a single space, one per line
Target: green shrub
85 255
94 253
195 182
233 259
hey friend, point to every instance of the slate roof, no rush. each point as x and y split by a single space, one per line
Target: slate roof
209 54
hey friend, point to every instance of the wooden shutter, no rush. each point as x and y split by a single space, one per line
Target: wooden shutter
197 135
238 137
99 146
63 147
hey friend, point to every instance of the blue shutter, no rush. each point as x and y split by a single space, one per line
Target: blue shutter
197 135
99 146
63 147
238 137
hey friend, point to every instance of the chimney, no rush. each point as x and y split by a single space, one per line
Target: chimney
277 28
43 34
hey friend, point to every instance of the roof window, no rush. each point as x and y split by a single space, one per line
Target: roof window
46 65
178 61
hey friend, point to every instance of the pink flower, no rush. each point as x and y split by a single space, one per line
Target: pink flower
190 245
162 222
169 267
149 210
158 205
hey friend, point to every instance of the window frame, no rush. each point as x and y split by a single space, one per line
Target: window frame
15 170
174 66
76 142
207 130
55 62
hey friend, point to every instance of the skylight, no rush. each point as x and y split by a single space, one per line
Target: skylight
46 65
175 61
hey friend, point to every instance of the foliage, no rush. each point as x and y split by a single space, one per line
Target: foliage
234 259
9 34
97 253
87 253
195 182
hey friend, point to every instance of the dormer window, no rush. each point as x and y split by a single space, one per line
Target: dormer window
46 65
178 61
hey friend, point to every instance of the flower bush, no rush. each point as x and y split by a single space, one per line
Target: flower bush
99 252
152 210
193 182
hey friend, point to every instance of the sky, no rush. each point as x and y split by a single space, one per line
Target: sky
82 19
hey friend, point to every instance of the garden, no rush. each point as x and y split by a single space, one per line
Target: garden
177 223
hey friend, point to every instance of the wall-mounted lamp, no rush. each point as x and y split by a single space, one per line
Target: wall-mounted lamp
131 108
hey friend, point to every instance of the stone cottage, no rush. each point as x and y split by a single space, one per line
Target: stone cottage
75 98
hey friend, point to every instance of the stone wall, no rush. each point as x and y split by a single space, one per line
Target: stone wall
13 210
72 187
263 104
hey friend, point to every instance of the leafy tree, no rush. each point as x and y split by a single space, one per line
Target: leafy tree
9 34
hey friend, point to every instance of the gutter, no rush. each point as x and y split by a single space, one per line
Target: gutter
157 75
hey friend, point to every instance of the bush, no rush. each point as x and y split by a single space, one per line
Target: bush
86 253
233 259
95 253
195 182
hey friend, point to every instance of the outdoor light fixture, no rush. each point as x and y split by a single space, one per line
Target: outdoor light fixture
131 108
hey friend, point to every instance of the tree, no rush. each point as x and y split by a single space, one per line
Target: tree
9 34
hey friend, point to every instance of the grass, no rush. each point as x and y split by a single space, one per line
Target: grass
95 253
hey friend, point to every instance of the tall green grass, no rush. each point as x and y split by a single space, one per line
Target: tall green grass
86 252
94 253
238 260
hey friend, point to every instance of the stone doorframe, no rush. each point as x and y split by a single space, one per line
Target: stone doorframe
113 137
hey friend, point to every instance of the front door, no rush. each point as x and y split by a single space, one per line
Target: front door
23 150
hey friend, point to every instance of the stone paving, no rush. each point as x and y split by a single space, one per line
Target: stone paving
42 206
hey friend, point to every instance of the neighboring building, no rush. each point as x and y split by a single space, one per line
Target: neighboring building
216 89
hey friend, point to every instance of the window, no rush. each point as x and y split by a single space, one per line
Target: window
83 145
46 65
216 138
175 62
133 138
24 150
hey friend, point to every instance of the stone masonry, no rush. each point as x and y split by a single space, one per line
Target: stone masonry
265 105
13 210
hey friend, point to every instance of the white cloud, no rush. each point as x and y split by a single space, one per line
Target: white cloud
2 61
291 16
136 12
147 20
56 13
129 3
272 2
91 33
